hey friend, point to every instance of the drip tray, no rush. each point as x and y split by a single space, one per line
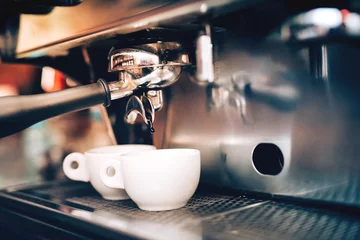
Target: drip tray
208 215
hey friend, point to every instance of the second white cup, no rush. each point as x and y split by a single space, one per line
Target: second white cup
155 180
85 167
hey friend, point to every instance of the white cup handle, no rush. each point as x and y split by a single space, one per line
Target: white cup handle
110 174
74 167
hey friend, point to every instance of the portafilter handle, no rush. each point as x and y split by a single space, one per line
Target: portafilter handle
20 112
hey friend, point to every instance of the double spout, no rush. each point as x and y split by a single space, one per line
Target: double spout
158 66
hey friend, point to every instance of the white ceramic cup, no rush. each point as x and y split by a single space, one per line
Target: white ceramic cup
155 180
85 167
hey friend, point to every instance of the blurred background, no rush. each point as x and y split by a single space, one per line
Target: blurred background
37 152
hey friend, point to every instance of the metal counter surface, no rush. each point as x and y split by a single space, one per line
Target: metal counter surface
210 214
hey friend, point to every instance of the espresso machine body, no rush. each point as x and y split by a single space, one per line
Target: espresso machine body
304 149
280 114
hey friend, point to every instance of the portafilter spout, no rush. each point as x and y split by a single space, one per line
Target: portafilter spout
149 67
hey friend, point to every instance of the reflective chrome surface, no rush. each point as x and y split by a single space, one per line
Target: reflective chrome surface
139 107
204 60
156 98
121 88
126 59
313 121
159 65
145 67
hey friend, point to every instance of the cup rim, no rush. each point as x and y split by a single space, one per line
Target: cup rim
172 151
100 150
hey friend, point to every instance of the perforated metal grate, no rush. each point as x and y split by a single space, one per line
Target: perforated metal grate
218 215
64 190
199 206
273 220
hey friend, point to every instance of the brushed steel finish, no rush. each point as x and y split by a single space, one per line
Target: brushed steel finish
317 134
139 107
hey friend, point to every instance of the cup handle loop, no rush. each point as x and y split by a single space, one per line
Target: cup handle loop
110 174
74 167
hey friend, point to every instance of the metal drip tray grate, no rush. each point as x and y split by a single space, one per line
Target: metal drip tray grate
208 215
199 206
347 192
272 220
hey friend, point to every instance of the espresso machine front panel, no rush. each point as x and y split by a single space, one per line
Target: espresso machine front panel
266 91
297 139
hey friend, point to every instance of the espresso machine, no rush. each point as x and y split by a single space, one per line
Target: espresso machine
266 90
